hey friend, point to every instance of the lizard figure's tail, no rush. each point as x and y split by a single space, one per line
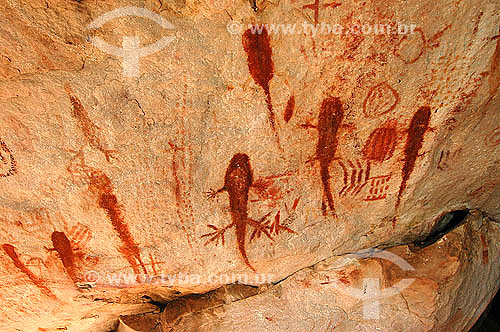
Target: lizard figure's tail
401 191
325 178
241 238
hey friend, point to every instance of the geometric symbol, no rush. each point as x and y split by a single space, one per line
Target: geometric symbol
378 188
380 100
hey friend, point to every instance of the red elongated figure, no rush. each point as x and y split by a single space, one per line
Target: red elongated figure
11 251
418 127
62 246
330 119
290 107
256 44
237 182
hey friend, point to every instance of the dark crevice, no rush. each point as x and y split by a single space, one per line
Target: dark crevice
444 225
283 279
161 305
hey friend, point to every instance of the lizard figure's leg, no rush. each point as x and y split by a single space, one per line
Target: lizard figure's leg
276 227
109 154
260 227
217 234
212 193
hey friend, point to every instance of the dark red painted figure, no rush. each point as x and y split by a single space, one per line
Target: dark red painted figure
237 182
10 250
100 184
260 65
290 107
62 246
109 203
330 119
418 127
88 128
